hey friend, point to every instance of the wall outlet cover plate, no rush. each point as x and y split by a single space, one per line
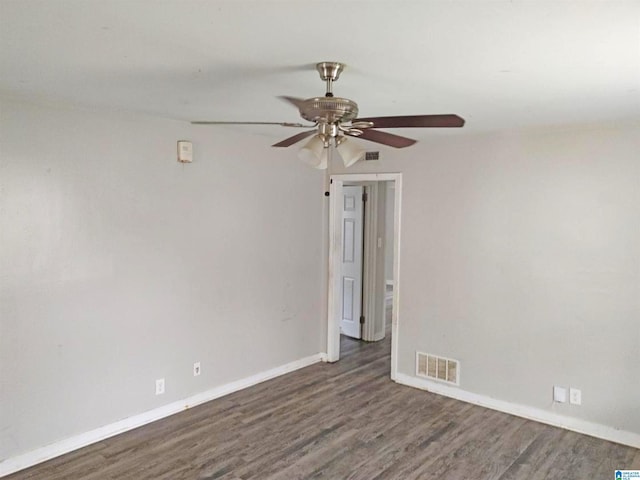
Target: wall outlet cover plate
185 151
575 396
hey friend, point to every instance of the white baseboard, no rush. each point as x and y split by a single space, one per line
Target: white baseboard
569 423
379 336
48 452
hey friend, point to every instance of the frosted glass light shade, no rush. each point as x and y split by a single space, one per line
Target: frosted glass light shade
314 153
350 152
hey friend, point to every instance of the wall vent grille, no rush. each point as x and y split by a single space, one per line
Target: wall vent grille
437 368
372 156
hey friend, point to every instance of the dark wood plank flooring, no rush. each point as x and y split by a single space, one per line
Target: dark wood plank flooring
341 421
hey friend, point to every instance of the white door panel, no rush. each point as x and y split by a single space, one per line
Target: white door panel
351 264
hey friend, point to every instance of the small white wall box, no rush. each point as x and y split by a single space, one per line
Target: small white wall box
185 151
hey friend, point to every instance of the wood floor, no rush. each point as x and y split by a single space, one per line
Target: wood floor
341 421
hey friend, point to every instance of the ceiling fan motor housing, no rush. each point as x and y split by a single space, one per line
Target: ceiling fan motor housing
329 109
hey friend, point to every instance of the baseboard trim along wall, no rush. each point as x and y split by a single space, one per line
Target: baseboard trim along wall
48 452
569 423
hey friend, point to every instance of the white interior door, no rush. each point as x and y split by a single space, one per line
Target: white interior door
351 261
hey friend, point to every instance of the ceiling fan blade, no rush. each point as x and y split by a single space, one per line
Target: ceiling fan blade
282 124
297 102
409 121
386 138
295 139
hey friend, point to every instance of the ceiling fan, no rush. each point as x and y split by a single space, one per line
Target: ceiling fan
334 119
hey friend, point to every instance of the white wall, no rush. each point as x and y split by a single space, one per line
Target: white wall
119 266
520 257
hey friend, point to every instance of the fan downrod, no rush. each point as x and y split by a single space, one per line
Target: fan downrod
329 72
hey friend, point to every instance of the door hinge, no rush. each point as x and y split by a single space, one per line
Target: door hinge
361 319
365 196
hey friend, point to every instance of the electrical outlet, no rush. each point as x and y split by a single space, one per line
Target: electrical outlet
160 386
575 396
559 394
196 369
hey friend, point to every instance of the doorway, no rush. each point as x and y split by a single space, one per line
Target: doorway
374 277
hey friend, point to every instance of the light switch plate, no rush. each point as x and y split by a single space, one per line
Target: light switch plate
559 394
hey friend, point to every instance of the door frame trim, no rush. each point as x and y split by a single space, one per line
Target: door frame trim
335 241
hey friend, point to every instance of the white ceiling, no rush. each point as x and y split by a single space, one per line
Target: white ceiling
499 64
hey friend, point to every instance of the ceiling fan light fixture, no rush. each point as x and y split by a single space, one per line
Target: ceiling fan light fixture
334 117
315 153
350 151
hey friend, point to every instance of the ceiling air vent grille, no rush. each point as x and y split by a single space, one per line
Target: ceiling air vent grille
372 156
437 368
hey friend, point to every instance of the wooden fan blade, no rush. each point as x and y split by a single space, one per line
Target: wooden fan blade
297 102
409 121
386 138
282 124
295 139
